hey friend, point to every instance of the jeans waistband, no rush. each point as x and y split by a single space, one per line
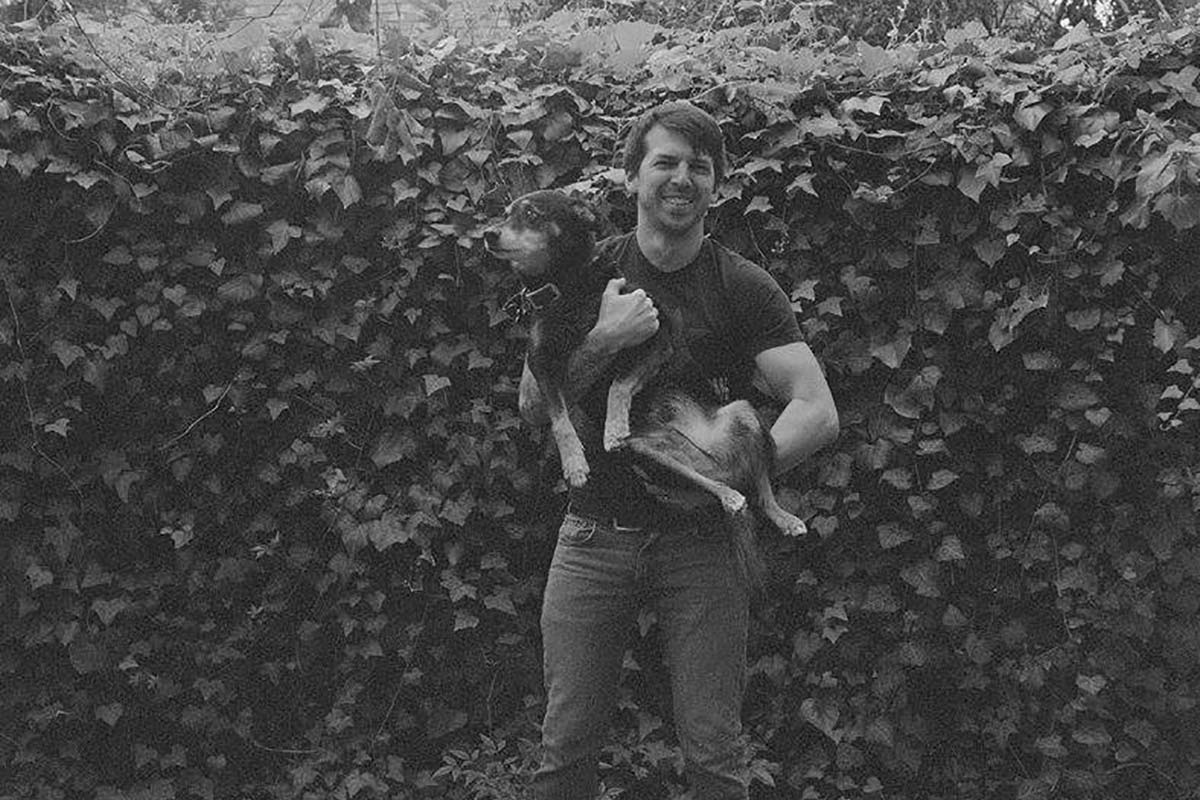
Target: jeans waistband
666 522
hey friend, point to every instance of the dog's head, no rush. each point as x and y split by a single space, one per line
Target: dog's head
545 235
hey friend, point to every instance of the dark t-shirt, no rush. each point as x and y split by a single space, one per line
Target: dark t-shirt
731 310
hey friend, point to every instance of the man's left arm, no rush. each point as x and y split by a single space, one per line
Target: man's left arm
791 374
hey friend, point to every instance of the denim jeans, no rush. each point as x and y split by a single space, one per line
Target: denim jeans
599 578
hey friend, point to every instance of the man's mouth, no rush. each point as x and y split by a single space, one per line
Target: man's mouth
677 201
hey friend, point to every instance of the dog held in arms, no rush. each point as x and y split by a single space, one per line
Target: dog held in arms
725 450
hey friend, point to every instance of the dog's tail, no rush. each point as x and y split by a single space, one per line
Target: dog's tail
752 566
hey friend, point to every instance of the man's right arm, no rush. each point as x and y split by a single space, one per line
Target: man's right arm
624 320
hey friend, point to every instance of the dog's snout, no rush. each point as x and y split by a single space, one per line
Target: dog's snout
491 238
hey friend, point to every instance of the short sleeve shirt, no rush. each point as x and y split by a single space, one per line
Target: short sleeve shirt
731 310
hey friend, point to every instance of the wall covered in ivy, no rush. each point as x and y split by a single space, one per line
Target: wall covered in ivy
270 525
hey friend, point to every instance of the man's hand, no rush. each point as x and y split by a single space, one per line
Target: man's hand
625 319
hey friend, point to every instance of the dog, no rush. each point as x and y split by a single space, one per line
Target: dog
727 451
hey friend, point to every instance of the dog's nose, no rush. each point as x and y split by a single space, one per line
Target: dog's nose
491 238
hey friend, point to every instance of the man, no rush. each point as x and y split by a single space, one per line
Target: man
618 547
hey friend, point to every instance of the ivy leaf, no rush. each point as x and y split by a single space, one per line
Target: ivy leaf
314 103
1033 789
874 60
1031 115
110 714
435 383
108 610
464 620
38 576
86 656
386 531
821 127
348 190
458 589
393 446
990 250
241 212
759 203
923 578
60 426
1003 330
971 181
898 477
1078 35
240 289
891 535
1165 334
917 396
892 353
67 352
822 715
950 549
1158 171
941 479
1032 444
275 407
1074 396
501 600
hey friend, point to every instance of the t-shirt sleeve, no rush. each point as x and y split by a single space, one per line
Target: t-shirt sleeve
765 317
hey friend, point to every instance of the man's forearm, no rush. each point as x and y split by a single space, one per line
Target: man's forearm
801 429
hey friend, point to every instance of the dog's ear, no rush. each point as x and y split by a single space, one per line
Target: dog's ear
587 213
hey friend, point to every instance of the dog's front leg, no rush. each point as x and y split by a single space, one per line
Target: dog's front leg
622 391
566 438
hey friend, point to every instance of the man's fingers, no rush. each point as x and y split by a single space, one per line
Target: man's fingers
615 286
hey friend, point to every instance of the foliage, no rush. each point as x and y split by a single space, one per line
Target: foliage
272 528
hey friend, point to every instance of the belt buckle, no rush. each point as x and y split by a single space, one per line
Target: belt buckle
619 528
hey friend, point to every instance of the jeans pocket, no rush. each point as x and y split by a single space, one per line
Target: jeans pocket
576 530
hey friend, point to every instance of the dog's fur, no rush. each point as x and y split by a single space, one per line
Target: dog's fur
726 450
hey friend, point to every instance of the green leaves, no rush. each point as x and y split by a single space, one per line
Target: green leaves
268 492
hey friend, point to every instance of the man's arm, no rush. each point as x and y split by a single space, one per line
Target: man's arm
791 374
624 320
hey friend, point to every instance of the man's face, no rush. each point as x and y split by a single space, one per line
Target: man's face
674 184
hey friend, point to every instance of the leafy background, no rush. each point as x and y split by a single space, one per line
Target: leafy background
272 527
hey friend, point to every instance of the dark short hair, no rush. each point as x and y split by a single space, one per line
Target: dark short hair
696 126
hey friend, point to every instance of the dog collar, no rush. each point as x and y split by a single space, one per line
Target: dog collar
529 301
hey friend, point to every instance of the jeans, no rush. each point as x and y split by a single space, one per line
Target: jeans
599 577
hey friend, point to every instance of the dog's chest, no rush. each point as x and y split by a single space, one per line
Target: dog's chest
558 331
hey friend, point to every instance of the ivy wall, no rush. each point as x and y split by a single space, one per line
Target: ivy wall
270 525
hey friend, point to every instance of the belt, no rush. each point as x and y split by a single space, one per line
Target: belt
672 522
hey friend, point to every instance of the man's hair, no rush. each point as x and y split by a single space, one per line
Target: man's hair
696 126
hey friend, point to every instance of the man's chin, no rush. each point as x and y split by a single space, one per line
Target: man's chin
679 222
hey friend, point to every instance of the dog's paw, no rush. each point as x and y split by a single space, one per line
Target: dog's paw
616 434
793 526
575 470
733 501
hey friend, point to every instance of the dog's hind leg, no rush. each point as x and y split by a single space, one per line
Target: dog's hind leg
789 524
731 499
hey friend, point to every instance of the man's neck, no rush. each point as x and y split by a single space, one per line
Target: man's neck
668 252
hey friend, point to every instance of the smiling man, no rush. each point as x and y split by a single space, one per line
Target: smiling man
620 547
